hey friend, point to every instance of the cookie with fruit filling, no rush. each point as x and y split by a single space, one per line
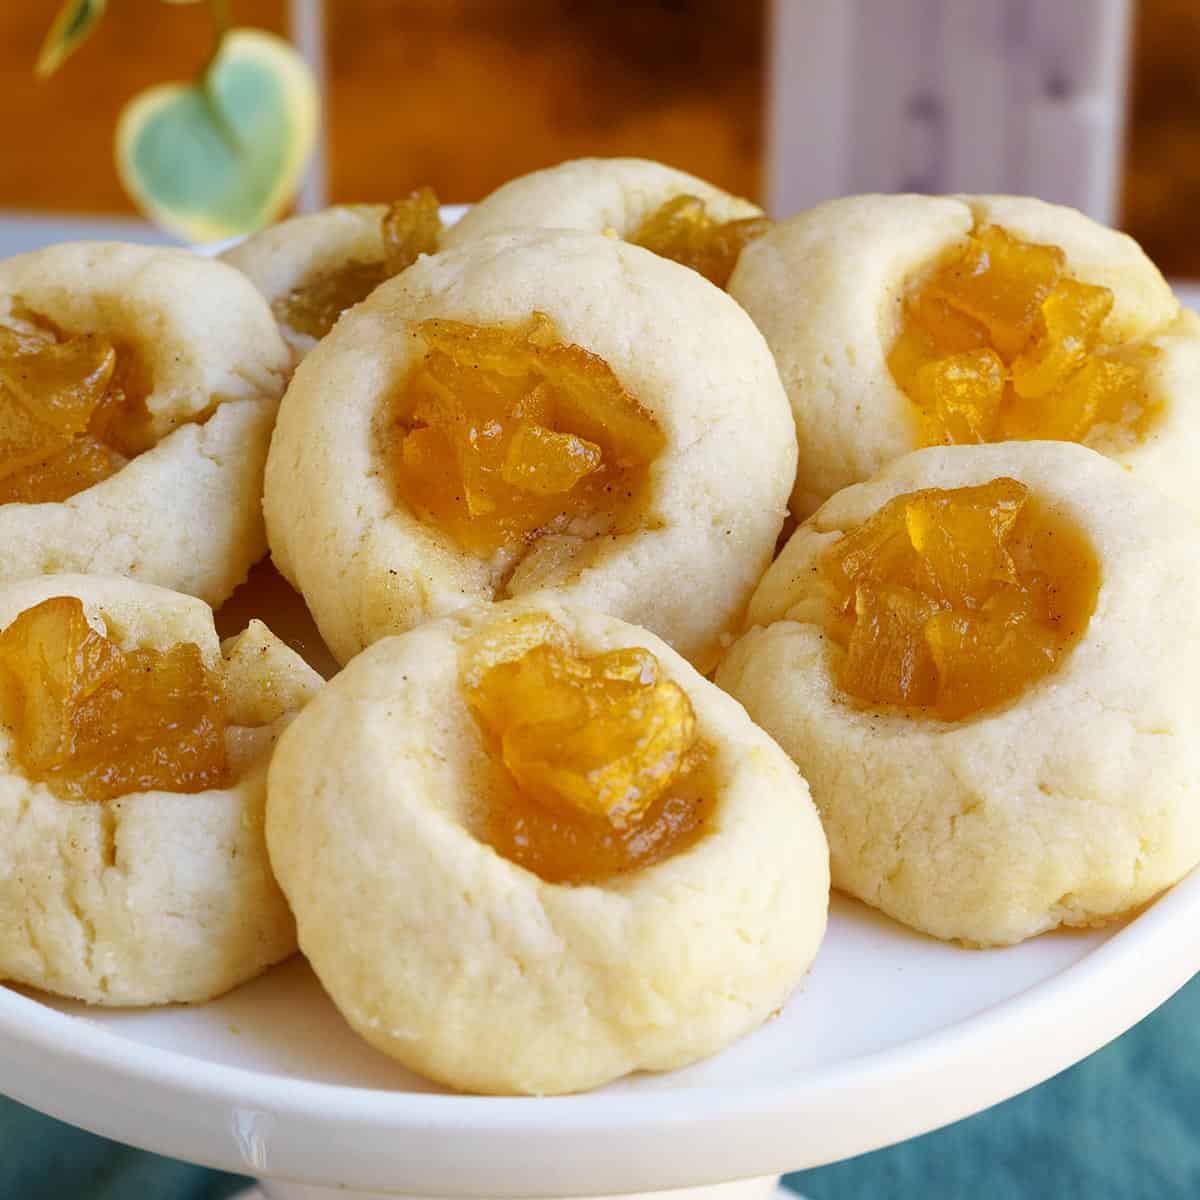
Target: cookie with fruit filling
138 388
907 321
982 661
652 205
535 410
537 819
314 267
133 762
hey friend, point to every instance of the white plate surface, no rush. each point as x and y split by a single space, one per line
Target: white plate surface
892 1034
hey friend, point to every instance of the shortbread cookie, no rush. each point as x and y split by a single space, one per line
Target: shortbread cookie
534 410
1038 767
902 321
394 822
267 596
312 268
138 388
135 897
666 210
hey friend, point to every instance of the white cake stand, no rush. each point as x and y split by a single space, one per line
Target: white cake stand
892 1034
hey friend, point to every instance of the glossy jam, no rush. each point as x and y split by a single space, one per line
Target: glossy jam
314 308
681 229
411 227
94 722
950 602
72 412
503 434
602 767
998 342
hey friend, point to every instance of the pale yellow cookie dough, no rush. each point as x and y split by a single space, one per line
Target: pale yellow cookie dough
186 513
592 195
154 897
1070 805
287 256
476 972
827 287
717 493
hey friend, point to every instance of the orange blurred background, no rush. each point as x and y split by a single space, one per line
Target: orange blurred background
463 94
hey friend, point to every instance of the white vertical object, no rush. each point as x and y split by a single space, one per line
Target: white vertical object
896 42
983 80
1079 111
809 44
1023 96
306 24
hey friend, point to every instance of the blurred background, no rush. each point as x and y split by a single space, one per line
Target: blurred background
1091 102
1094 102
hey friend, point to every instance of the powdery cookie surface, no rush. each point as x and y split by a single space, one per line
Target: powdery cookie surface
475 972
154 897
592 195
827 287
1073 803
293 253
186 513
717 494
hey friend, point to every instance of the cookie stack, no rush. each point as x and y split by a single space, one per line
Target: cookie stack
529 475
138 391
979 644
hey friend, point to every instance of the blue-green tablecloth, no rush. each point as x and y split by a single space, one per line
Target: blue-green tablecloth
1124 1125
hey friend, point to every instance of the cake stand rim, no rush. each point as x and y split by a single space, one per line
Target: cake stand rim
432 1144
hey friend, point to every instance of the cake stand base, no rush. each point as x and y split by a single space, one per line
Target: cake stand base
762 1188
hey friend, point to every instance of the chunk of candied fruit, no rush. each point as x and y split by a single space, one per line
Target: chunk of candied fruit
82 462
682 230
500 435
313 308
1000 282
963 393
410 227
94 722
999 343
72 412
601 755
954 601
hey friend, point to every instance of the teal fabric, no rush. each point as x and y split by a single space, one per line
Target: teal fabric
41 1159
1124 1125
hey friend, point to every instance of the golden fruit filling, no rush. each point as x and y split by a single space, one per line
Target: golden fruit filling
998 342
94 722
601 754
72 412
501 435
952 601
682 230
411 227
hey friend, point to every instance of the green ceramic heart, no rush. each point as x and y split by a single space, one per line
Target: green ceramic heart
209 162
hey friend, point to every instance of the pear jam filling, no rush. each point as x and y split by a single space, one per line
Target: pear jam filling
411 227
602 763
93 721
682 230
72 411
950 602
999 343
501 435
